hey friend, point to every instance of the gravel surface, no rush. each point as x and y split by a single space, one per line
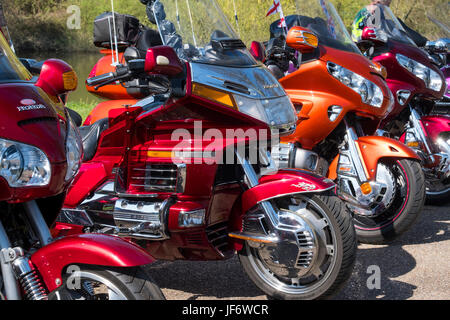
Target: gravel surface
416 266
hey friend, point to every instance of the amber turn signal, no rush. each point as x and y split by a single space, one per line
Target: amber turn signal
366 188
213 94
70 80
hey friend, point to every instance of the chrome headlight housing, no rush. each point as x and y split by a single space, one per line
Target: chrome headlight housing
74 151
23 165
278 113
431 78
370 93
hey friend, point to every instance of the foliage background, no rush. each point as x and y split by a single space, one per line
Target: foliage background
40 25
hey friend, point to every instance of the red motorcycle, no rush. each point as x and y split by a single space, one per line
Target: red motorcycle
40 152
417 84
216 191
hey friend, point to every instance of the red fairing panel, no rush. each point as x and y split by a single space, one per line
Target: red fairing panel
88 249
435 125
86 181
283 183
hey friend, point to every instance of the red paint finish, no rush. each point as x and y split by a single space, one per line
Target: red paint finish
137 139
51 77
65 229
91 249
398 78
166 53
284 183
435 125
91 175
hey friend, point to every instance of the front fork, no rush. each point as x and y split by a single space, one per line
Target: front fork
416 130
416 138
355 186
16 267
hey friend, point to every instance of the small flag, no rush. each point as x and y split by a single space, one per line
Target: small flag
282 23
274 8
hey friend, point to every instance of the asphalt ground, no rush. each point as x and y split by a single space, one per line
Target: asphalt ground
416 266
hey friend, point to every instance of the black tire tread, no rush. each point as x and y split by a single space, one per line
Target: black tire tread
416 204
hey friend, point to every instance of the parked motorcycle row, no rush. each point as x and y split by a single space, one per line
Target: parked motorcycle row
286 152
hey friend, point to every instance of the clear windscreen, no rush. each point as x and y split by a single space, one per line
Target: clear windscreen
320 16
199 32
11 69
439 16
385 20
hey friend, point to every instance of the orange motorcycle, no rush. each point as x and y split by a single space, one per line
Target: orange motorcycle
341 97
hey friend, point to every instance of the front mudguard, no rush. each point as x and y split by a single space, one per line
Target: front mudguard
86 249
283 183
371 150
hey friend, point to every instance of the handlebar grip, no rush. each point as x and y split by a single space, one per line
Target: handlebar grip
107 77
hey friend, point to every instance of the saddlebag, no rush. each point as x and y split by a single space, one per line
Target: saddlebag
127 29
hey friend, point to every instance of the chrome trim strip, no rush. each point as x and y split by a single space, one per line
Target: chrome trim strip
352 137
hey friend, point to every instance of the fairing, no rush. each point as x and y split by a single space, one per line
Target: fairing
34 119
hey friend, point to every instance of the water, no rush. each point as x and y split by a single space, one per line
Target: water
82 63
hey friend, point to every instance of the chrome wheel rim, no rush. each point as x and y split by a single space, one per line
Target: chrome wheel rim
85 285
319 274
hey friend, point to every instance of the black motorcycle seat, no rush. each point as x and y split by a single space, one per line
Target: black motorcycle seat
90 136
148 38
76 117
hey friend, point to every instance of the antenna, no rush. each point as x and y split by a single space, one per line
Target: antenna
115 61
236 18
192 23
178 15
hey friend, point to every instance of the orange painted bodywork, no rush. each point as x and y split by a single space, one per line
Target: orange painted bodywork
112 91
314 89
102 110
117 94
372 149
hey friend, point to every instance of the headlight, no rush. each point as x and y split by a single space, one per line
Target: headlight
279 113
74 151
23 165
431 78
370 93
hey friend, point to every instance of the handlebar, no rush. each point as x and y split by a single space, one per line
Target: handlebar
107 77
122 72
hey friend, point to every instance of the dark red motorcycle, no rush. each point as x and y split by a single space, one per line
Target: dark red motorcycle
40 152
417 84
186 173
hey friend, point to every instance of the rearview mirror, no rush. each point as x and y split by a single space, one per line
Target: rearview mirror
302 39
163 60
57 78
374 34
32 65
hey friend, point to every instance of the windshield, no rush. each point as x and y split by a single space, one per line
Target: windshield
439 16
199 32
385 20
319 16
11 69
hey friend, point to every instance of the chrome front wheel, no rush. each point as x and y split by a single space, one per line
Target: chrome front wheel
320 260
